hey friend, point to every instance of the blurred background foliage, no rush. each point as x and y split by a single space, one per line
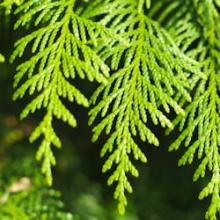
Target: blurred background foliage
162 192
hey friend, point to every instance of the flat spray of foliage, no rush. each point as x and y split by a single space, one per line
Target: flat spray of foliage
197 31
150 58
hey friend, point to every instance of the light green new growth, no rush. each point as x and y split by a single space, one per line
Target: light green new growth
61 48
200 127
147 73
7 5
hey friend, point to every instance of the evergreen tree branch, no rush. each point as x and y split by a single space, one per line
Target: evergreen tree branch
146 74
200 125
62 49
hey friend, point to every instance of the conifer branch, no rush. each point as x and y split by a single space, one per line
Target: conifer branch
146 74
200 125
62 49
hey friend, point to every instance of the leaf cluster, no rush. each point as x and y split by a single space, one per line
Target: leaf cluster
61 48
147 73
199 38
151 58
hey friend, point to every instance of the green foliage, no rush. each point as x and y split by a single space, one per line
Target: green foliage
8 4
146 74
152 58
26 197
37 203
61 50
2 59
200 125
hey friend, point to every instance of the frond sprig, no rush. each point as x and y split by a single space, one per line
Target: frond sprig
146 74
200 125
61 50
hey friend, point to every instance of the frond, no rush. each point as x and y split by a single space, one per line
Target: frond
61 49
147 73
200 125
